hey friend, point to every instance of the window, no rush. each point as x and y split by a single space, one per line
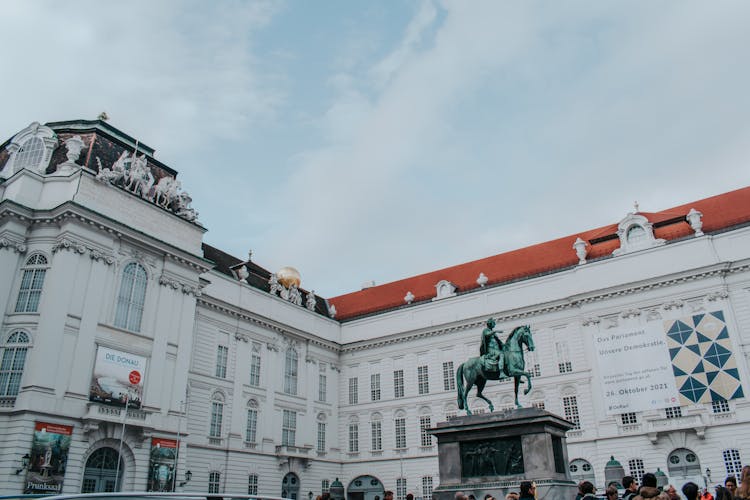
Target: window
353 437
353 392
321 437
398 384
636 235
635 465
538 404
290 371
720 406
322 383
30 155
325 486
252 422
222 353
533 362
673 412
214 481
11 366
449 380
217 415
375 387
629 418
423 380
732 462
131 298
427 487
563 358
32 282
401 488
255 368
424 424
252 484
376 428
570 407
400 426
289 428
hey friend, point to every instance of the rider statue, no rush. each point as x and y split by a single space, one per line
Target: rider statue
491 350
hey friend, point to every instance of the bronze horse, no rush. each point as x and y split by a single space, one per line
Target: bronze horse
474 373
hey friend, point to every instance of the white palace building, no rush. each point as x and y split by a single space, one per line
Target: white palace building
123 334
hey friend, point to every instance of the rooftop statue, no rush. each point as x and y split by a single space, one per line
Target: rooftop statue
495 361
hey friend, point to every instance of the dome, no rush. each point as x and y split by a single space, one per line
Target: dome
288 276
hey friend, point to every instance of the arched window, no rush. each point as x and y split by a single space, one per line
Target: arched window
290 371
636 235
217 415
32 282
252 421
31 149
581 470
31 153
683 462
11 366
131 298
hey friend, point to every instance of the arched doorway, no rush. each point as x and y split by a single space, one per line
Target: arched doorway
290 486
581 470
683 466
365 488
101 472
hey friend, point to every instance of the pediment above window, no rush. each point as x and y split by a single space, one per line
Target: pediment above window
635 233
444 289
31 148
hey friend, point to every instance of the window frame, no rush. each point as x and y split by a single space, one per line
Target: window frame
449 379
398 384
12 347
291 371
126 309
26 289
423 379
288 427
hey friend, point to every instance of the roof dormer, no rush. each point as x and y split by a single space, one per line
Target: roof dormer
635 233
31 148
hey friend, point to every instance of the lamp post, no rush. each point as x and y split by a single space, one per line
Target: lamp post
188 477
708 476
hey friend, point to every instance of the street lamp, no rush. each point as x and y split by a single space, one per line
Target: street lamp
708 475
309 495
24 463
188 477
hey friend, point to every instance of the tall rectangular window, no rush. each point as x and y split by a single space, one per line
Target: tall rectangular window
673 412
424 425
255 369
535 369
288 428
325 485
563 357
252 484
222 354
449 379
375 387
290 371
252 425
217 415
12 364
400 426
570 407
376 431
132 297
427 487
322 383
321 437
401 488
635 465
353 391
353 438
32 283
398 384
423 379
214 482
732 462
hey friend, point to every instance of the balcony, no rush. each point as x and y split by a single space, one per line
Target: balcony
98 412
656 425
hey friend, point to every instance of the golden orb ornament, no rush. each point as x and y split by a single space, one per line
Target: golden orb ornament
288 276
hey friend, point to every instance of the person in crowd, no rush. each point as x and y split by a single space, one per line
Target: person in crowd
706 495
410 496
489 497
528 491
743 490
388 495
672 492
631 487
579 495
588 490
690 490
471 497
611 492
327 496
513 495
649 490
730 483
722 493
460 495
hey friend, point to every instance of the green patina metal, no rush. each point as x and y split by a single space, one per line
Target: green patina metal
496 360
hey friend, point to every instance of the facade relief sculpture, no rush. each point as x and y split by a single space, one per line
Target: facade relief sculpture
497 457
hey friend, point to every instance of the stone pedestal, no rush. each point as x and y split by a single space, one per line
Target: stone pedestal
492 453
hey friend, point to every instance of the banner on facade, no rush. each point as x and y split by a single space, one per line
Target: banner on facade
162 464
49 456
118 378
635 369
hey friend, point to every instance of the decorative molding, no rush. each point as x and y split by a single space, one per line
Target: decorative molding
409 297
74 145
694 218
482 280
581 251
673 304
590 321
16 246
717 295
272 346
332 311
310 359
444 289
42 132
630 313
653 314
629 242
186 288
243 337
78 247
310 300
335 368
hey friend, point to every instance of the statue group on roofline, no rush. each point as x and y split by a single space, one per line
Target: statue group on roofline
133 174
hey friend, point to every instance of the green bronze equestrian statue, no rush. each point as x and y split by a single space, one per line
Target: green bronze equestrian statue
496 361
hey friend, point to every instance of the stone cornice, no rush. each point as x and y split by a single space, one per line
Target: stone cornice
66 243
16 246
175 284
233 311
73 211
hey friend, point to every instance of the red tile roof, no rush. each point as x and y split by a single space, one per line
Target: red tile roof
719 212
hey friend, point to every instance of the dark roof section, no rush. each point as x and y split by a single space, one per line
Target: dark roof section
257 276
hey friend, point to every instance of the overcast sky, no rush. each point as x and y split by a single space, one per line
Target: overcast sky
363 141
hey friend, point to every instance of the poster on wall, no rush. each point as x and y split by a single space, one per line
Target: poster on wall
635 369
162 463
118 378
49 456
